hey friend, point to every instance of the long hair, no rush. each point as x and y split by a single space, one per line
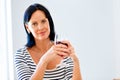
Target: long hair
27 16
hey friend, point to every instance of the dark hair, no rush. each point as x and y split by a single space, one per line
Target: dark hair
27 15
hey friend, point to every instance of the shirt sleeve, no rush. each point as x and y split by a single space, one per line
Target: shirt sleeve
21 67
69 68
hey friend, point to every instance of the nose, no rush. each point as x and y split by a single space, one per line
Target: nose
40 26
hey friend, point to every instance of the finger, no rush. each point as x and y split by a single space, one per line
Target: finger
62 54
67 51
62 49
60 42
61 46
66 42
70 47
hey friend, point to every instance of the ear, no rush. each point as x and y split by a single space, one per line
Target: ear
27 28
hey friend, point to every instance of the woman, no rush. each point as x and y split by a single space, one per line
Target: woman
41 58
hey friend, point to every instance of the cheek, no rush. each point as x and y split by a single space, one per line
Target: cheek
47 33
49 30
33 31
48 27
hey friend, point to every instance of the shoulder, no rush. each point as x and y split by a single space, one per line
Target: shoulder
21 52
22 49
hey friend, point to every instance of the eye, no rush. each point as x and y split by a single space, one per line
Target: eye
44 21
34 24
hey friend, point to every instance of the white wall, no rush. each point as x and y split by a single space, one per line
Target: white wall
116 29
6 48
3 43
88 24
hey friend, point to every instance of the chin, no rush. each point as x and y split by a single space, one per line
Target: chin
43 38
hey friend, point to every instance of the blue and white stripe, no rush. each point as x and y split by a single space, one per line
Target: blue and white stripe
25 67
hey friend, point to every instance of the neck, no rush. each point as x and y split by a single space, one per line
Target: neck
43 46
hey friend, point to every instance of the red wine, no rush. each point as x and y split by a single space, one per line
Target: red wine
59 42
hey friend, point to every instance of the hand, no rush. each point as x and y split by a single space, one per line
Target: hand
59 50
71 50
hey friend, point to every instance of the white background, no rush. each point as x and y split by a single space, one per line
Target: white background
92 26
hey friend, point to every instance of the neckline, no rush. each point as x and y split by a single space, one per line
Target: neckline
30 56
58 65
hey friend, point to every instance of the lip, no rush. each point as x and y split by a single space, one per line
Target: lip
42 33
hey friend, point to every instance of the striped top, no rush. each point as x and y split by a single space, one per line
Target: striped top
25 67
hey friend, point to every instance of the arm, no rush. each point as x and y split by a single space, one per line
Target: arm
40 70
76 68
23 71
42 65
51 54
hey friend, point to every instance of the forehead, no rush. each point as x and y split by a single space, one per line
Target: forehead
38 15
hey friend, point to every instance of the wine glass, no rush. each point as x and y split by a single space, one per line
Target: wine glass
58 40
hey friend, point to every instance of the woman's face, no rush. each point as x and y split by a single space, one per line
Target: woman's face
38 25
